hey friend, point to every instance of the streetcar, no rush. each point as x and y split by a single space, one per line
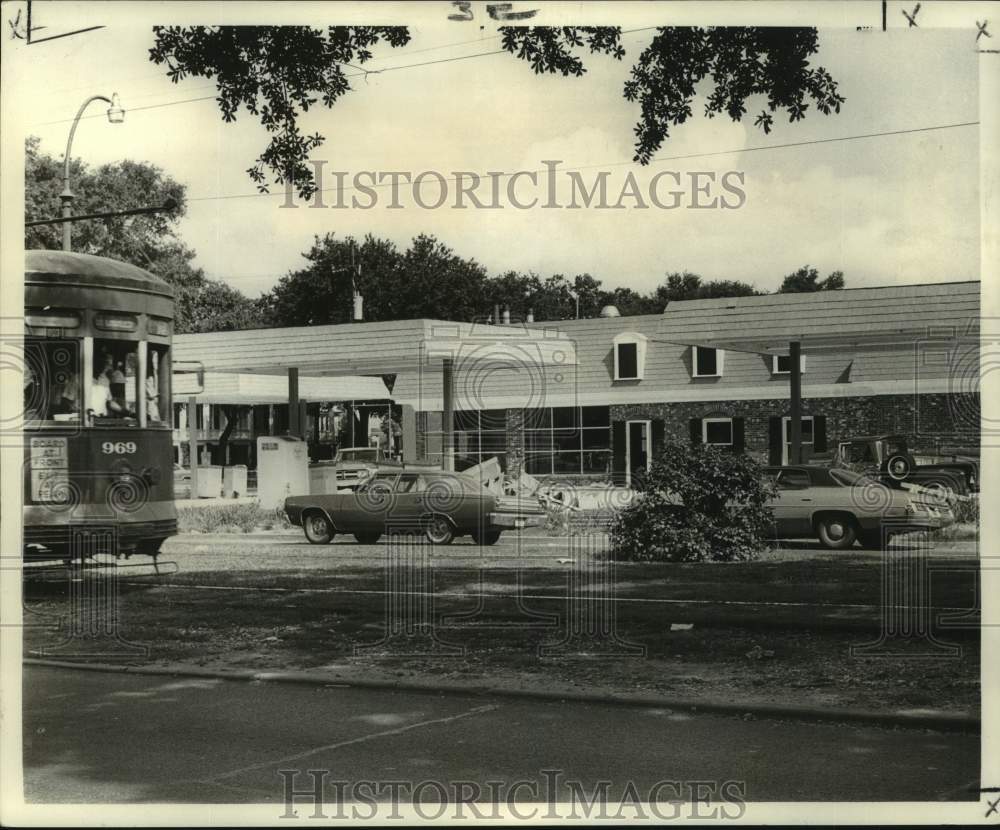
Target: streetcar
97 409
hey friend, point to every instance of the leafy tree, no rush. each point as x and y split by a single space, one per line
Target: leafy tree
807 279
688 286
321 293
150 241
516 291
127 184
279 72
212 305
427 280
697 503
436 282
630 302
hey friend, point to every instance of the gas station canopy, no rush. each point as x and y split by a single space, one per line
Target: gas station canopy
388 348
247 390
370 348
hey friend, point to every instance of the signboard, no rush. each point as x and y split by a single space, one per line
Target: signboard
49 469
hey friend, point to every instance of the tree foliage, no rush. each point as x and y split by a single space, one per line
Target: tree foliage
279 72
150 241
688 286
427 280
430 280
807 279
697 503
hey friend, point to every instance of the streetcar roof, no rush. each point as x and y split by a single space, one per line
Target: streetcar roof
96 270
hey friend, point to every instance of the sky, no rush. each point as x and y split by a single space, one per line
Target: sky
884 210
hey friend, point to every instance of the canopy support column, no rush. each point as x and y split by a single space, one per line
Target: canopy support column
192 425
448 415
293 402
795 381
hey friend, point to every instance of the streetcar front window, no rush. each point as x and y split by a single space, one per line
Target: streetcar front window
115 383
52 388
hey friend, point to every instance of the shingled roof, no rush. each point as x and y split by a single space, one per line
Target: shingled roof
825 319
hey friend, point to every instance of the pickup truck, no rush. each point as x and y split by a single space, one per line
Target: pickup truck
887 457
349 468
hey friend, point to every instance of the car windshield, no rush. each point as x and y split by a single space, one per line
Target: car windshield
359 455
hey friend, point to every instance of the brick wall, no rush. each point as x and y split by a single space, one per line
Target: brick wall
928 421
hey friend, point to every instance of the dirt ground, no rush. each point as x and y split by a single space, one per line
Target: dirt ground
799 628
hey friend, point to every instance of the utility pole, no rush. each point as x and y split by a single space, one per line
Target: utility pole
357 310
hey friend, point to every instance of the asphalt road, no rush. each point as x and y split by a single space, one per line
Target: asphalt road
108 737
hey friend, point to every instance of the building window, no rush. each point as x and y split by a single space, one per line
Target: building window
706 363
781 364
480 435
717 431
630 356
567 440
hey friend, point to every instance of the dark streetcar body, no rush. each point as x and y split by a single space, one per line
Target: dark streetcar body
98 457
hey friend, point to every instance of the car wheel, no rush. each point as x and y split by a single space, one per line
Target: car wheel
318 528
943 493
836 532
438 531
367 538
899 467
490 537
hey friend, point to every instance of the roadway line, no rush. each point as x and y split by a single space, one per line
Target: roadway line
563 597
478 710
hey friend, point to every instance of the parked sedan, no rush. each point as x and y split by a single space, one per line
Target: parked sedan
841 506
438 504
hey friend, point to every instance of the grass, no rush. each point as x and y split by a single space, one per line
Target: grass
797 650
230 518
560 521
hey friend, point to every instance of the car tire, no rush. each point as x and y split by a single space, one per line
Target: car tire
438 530
318 528
490 537
367 538
899 467
837 532
943 490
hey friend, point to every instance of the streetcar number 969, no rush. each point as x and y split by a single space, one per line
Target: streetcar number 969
118 447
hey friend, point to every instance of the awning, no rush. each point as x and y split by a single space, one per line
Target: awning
247 390
371 348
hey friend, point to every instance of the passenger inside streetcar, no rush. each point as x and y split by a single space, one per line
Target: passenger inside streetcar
102 404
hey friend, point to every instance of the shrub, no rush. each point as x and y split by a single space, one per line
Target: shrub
697 503
967 512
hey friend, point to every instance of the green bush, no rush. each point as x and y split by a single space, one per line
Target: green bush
967 512
697 503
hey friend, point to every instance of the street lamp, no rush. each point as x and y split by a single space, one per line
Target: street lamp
116 115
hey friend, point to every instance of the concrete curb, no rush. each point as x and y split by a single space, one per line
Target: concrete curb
938 721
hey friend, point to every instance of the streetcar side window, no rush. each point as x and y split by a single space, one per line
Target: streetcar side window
115 383
52 388
158 405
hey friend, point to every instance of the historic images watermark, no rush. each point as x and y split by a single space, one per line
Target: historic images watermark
550 795
549 188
